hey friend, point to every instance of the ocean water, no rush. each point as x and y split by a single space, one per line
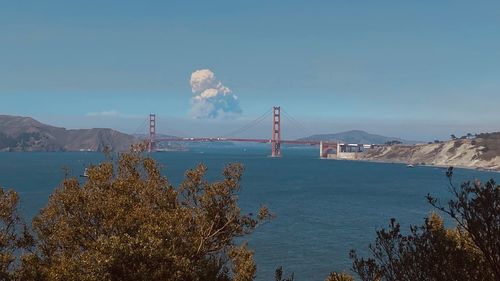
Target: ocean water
323 208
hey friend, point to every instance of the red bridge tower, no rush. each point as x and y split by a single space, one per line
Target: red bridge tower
276 138
152 132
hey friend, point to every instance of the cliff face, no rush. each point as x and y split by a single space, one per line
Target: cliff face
482 152
26 134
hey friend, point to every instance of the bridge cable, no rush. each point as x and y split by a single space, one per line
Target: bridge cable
176 133
141 128
297 123
250 124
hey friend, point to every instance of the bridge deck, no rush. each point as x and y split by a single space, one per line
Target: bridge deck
233 140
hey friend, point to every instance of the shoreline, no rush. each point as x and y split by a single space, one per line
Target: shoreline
417 165
427 165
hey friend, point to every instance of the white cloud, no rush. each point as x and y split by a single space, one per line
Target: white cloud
104 113
211 98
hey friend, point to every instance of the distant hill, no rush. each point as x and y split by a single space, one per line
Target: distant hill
355 136
27 134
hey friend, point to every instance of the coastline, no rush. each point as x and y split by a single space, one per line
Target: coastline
422 165
481 153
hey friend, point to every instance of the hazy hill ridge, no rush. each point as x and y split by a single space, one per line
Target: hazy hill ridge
483 152
27 134
355 136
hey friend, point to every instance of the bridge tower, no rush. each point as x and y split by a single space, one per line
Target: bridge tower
152 132
276 138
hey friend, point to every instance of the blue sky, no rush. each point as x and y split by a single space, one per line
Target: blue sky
413 69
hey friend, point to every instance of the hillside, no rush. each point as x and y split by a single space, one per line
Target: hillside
27 134
482 152
354 136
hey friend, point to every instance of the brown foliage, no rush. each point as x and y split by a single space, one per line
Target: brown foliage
14 235
471 251
428 252
126 222
334 276
244 267
476 209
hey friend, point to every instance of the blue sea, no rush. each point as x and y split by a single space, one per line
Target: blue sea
323 208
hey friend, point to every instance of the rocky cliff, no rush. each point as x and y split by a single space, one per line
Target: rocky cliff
27 134
482 152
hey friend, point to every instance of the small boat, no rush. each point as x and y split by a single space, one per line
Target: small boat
85 173
410 166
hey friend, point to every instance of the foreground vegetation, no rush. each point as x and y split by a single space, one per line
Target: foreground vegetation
126 222
471 251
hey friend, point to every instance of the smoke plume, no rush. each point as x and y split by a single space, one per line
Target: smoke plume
211 99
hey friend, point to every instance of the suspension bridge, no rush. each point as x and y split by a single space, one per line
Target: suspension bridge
276 133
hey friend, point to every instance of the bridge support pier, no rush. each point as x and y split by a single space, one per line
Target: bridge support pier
328 149
276 137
